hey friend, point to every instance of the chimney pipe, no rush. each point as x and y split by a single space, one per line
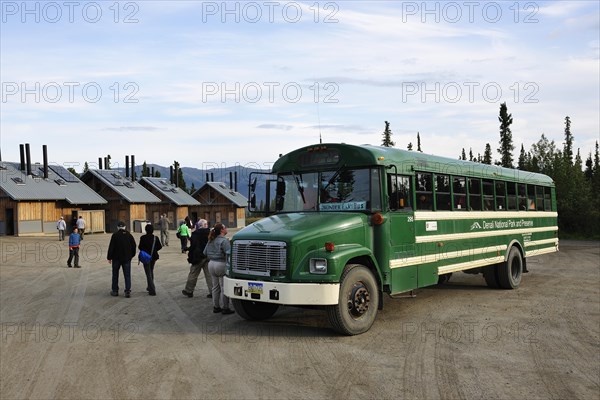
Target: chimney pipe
230 180
126 166
22 150
235 180
106 166
99 162
171 173
212 177
176 176
45 154
132 168
153 172
28 159
207 177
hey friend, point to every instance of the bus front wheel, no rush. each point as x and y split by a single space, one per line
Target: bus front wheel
510 272
358 301
253 310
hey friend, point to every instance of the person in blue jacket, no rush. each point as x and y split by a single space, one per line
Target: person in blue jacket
74 243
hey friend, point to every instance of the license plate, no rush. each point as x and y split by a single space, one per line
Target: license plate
255 287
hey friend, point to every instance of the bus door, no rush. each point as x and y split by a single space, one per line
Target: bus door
402 234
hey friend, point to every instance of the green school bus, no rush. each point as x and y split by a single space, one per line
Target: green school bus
350 223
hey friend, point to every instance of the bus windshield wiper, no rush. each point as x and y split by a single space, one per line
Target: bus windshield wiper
299 186
334 177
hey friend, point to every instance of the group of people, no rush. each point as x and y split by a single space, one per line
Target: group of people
207 251
122 249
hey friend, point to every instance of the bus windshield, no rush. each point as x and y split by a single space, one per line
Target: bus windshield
336 190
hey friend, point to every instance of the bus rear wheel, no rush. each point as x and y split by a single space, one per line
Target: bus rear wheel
358 301
510 272
253 310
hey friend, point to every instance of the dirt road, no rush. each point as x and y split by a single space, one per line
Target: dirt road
63 336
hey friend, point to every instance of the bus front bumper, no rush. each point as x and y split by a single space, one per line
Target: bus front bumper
282 293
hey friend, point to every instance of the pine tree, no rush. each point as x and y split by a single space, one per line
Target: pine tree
180 180
568 145
463 155
72 170
470 154
387 136
506 144
589 167
487 154
409 146
419 143
522 159
86 167
145 169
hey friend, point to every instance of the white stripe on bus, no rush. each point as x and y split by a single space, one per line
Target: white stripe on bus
452 215
541 242
469 265
479 234
425 259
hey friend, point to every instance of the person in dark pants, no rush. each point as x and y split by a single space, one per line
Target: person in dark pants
74 243
151 245
121 250
198 260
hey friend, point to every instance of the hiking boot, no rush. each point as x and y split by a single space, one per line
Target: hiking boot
127 293
114 293
209 296
227 311
186 293
217 310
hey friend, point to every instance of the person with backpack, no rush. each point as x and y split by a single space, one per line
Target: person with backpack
216 250
151 245
197 259
183 233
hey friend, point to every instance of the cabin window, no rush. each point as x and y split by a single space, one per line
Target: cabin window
474 194
424 191
522 196
442 192
399 192
500 195
459 190
488 195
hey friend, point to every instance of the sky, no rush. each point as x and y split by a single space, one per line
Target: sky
217 84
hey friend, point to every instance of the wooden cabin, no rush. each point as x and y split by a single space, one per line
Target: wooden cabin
34 197
220 203
173 201
127 200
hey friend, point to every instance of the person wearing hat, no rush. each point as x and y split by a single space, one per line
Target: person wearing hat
61 225
198 260
121 250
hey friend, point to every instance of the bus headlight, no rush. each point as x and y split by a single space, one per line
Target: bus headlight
318 266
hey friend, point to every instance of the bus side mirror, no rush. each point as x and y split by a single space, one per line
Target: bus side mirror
253 186
253 202
280 190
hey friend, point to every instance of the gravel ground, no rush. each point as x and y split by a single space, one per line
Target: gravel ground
63 336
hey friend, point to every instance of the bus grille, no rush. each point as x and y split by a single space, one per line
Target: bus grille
259 257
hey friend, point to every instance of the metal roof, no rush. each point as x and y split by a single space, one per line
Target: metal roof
133 192
171 192
235 197
60 185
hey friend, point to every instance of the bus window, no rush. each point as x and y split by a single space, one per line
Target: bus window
459 189
500 195
442 192
424 191
522 196
547 199
399 192
511 196
474 194
530 197
539 198
488 195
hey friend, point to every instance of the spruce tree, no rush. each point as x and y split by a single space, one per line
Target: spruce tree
387 136
522 159
487 154
568 145
470 154
463 155
506 142
409 146
419 143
